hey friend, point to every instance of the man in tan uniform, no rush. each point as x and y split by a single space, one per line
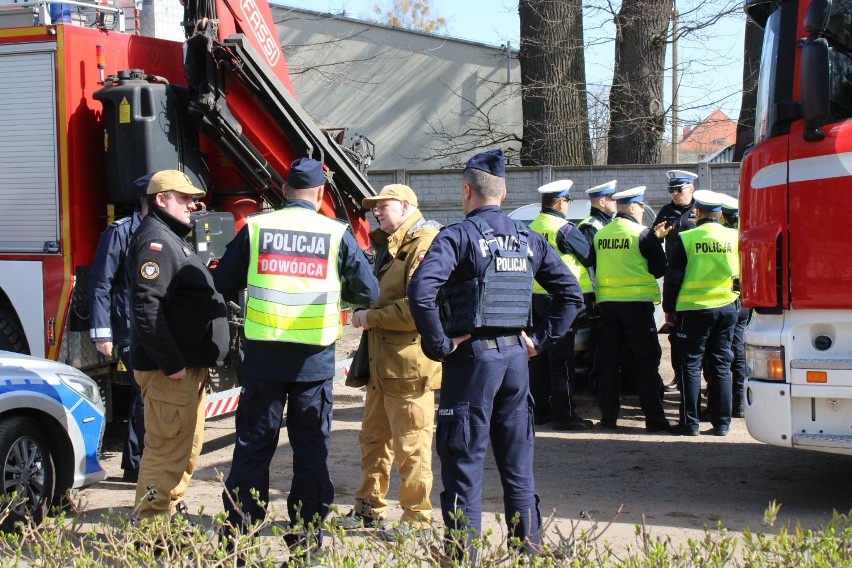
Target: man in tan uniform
399 409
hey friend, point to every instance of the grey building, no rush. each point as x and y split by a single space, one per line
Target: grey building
426 101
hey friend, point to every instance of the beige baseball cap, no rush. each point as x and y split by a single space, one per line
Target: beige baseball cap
392 191
172 180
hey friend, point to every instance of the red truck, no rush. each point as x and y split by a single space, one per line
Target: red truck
795 187
85 108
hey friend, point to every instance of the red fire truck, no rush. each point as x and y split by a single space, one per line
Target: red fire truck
796 232
86 108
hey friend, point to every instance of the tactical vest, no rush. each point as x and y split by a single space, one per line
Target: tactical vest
712 265
293 283
500 298
621 270
548 226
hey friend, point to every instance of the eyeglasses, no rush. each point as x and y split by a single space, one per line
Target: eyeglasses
678 189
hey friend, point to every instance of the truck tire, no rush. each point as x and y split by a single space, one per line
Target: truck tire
12 337
27 468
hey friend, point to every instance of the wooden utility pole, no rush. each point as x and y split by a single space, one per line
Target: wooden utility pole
674 84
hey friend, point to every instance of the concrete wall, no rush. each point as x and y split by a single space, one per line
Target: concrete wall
439 197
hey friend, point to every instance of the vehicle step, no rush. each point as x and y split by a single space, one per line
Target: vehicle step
823 440
822 364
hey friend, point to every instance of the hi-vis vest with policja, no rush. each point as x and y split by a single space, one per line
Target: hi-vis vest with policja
293 282
548 226
621 270
712 264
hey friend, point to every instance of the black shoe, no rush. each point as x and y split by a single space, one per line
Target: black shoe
666 426
720 431
671 387
540 418
571 423
684 430
738 410
608 424
130 475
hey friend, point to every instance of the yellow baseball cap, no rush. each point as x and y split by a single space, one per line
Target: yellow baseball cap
172 180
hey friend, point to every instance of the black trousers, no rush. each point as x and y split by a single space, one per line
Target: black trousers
629 327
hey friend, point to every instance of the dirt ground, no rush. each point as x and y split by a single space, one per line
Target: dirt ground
676 485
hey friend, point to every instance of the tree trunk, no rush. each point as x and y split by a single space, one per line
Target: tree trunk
751 68
553 84
637 115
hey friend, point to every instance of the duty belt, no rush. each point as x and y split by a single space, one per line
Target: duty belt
491 343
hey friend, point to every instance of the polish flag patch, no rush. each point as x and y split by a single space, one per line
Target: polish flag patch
421 256
156 246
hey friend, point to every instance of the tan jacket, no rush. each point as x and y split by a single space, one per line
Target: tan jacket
394 344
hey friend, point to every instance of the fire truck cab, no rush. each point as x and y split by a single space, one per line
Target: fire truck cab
796 230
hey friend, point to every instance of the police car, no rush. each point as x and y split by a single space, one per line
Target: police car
51 427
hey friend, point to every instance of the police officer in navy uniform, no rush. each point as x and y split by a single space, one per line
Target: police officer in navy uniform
679 214
628 260
109 319
552 377
298 265
601 212
700 302
470 299
731 219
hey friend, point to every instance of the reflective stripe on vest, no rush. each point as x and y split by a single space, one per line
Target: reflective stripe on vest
711 266
548 226
293 282
593 221
621 270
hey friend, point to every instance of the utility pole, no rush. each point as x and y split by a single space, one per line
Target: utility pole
674 84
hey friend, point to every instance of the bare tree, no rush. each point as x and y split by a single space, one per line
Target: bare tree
412 15
636 99
751 67
553 83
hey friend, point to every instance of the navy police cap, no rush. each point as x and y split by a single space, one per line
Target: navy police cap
305 173
491 162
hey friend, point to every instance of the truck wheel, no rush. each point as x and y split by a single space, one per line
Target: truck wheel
12 337
27 470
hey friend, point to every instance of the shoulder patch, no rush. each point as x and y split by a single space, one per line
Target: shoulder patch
156 246
186 251
149 270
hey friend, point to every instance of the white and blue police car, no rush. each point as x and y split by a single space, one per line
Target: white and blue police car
51 428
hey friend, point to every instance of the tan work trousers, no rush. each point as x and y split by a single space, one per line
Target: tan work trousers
397 427
174 433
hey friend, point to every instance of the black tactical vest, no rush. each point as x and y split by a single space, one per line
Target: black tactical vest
500 298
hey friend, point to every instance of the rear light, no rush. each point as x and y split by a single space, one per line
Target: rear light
816 377
765 363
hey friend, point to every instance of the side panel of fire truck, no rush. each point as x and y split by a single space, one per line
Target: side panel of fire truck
795 229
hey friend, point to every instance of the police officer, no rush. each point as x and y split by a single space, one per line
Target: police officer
179 329
628 260
298 265
700 304
470 299
679 215
552 377
109 319
601 212
731 219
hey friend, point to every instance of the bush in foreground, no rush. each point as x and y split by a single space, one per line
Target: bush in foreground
118 542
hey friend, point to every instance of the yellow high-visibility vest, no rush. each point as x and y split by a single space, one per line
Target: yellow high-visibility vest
712 263
293 281
548 226
621 270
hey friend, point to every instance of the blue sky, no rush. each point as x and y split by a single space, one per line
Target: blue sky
712 77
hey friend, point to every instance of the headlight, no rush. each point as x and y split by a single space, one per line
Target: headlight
83 385
764 363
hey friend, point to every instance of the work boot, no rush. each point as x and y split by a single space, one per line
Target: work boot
355 520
